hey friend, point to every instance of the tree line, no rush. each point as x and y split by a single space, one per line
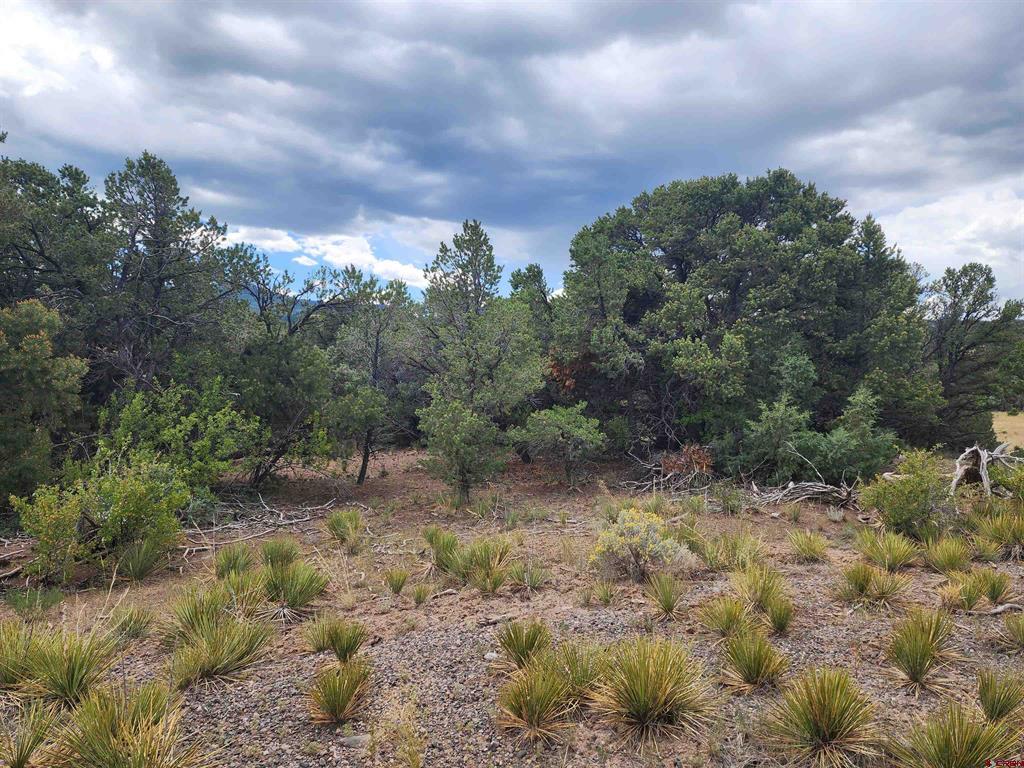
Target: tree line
757 317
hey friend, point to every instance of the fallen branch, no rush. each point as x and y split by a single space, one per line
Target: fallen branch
836 495
974 463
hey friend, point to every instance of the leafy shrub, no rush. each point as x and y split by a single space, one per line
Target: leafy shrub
339 692
463 445
1000 696
64 667
823 720
913 501
956 738
536 701
562 434
751 662
652 687
635 545
233 558
521 642
809 547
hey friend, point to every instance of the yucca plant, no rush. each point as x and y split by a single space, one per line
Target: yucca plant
489 579
957 738
65 666
995 585
116 728
736 550
947 554
808 546
17 642
1012 635
293 588
665 592
1000 696
887 587
32 603
421 593
652 688
778 613
527 577
280 551
142 558
20 739
962 592
1006 528
444 550
484 563
919 647
726 615
395 579
130 622
521 641
863 584
986 550
346 525
233 558
339 692
579 664
751 662
887 549
223 650
823 720
758 584
193 612
536 701
342 637
605 592
246 594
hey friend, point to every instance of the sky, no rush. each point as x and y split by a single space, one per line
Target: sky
363 133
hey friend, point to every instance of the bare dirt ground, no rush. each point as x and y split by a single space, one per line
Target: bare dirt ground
434 656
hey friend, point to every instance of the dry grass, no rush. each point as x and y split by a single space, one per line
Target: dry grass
1009 429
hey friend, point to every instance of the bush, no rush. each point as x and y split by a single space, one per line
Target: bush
293 588
912 502
808 546
18 744
666 593
561 434
219 650
343 638
751 662
463 445
233 558
635 545
919 647
280 551
346 525
1000 696
339 692
888 550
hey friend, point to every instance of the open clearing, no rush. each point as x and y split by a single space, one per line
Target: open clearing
1009 429
434 655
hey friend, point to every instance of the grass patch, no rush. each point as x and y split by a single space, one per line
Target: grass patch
726 616
33 603
886 549
141 559
1012 635
346 527
293 588
64 667
395 578
130 622
280 551
948 554
20 740
808 546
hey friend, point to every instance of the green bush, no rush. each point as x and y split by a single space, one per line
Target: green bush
463 445
636 544
561 434
911 502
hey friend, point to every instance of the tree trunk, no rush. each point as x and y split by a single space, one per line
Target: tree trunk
367 439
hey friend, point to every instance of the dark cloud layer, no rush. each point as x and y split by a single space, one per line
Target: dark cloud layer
383 123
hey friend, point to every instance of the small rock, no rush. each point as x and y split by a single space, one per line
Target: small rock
490 656
355 742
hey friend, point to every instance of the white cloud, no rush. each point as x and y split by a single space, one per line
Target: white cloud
305 261
265 238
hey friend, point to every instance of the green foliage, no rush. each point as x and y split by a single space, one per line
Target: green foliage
823 720
38 395
635 545
778 613
20 740
863 584
32 603
665 592
955 737
421 593
562 434
463 445
919 646
751 662
65 666
130 622
1012 634
219 650
808 546
395 579
726 616
346 525
995 585
948 553
280 551
888 550
142 558
339 692
911 503
233 558
1000 696
527 577
520 642
536 701
579 664
17 644
293 588
343 638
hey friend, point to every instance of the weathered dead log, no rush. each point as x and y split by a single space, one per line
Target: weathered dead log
973 465
836 495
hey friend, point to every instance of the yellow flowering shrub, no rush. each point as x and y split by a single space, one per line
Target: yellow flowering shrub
635 544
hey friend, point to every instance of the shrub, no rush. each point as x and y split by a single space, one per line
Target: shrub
995 585
808 546
536 701
233 558
346 526
1006 528
1012 635
520 642
343 638
339 692
605 592
193 612
142 558
912 502
824 720
395 579
726 616
293 588
64 667
562 434
863 584
444 550
751 662
1000 696
246 594
946 554
527 577
888 550
221 650
666 593
962 592
280 551
758 585
635 545
651 688
986 550
32 603
18 743
463 445
956 738
919 646
130 622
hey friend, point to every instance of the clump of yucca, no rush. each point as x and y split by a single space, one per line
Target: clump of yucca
863 584
995 585
962 592
751 662
142 558
20 740
130 622
246 593
1012 635
808 546
32 603
727 550
221 650
653 688
193 612
421 593
986 550
666 594
726 615
65 666
579 664
956 738
919 647
280 551
116 727
605 592
521 642
824 720
888 550
484 563
758 584
948 554
293 588
395 579
778 613
527 577
536 701
1006 528
339 692
17 642
233 558
1000 696
342 637
444 549
346 526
